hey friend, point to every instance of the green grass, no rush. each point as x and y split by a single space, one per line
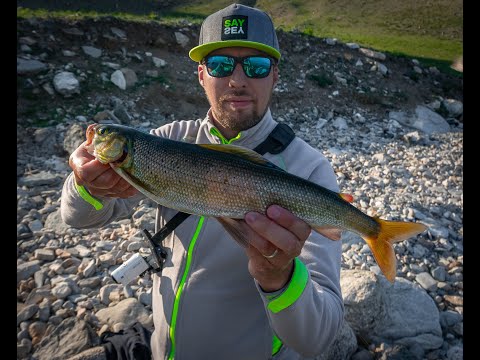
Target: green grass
429 30
171 18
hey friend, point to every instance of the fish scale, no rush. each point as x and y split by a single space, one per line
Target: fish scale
204 182
227 181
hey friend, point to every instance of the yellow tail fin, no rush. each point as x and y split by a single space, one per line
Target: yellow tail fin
390 233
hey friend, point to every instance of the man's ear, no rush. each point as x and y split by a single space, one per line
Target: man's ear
200 71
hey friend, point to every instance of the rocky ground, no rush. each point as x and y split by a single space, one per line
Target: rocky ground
392 128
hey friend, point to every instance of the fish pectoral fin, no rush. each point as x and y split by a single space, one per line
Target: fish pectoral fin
235 228
244 153
329 232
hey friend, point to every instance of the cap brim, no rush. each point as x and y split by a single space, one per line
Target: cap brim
199 52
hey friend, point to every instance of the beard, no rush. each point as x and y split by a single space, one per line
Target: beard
238 120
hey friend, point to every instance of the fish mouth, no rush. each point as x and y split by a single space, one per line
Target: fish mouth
109 153
122 158
106 144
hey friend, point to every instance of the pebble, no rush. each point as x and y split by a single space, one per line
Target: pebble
392 175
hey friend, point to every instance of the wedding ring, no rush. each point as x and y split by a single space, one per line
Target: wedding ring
271 256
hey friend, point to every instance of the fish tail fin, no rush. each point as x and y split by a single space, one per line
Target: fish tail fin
382 244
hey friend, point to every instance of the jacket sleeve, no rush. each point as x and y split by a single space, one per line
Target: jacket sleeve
78 213
308 312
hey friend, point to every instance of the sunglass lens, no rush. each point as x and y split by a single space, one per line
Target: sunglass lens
220 66
257 66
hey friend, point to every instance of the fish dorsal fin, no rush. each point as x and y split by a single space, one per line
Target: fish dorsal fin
244 153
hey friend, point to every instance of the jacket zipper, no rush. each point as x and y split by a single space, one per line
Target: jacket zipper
178 295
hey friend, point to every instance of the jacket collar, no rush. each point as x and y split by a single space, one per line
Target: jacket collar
249 138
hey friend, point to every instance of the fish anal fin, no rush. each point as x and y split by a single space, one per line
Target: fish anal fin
329 232
235 228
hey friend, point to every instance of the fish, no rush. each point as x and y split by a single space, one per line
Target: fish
227 181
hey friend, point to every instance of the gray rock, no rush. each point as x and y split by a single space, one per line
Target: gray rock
73 31
406 324
439 273
127 311
429 121
455 353
95 353
453 107
182 39
62 290
353 46
426 281
66 84
362 299
55 222
91 282
25 270
92 51
70 337
399 352
424 120
373 54
74 136
450 318
363 355
340 123
344 345
40 178
130 77
26 313
106 290
30 67
158 62
24 348
375 307
118 79
45 254
68 53
119 32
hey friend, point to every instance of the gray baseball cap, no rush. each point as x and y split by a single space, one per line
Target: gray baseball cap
237 25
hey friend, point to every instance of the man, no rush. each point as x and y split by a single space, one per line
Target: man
280 298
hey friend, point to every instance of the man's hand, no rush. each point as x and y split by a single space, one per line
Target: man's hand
279 231
100 179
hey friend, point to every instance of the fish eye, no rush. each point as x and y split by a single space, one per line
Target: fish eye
102 131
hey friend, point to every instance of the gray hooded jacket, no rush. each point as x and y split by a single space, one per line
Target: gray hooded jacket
206 305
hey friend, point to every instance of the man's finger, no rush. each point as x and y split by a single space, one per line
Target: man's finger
279 236
92 170
289 221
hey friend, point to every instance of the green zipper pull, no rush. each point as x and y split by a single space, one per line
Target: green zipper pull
214 131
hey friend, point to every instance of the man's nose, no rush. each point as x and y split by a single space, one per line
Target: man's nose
238 77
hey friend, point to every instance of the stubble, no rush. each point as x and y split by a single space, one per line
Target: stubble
238 120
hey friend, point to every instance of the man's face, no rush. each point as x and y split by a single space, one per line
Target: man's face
237 102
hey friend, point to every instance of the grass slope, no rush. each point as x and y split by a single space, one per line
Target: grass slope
429 30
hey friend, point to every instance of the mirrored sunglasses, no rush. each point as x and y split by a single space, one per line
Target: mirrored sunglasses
254 67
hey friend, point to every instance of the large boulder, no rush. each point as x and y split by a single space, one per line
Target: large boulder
401 313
